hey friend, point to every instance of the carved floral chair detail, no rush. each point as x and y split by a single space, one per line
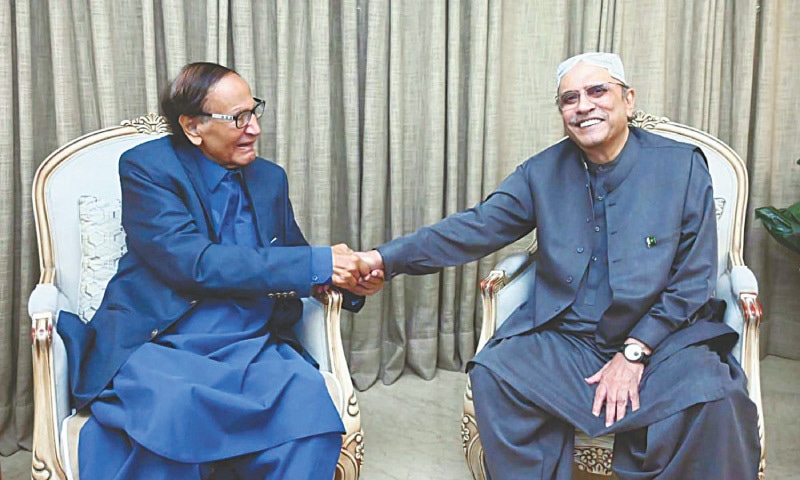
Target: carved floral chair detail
510 282
76 202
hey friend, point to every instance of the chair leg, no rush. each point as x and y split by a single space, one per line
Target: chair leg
470 438
352 453
351 457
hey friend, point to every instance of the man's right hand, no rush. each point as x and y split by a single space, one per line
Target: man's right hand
373 259
348 268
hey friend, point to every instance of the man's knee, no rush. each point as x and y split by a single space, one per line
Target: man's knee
309 457
330 443
318 449
735 406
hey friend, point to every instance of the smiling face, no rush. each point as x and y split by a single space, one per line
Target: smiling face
599 126
220 140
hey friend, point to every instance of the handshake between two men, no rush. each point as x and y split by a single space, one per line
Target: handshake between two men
359 272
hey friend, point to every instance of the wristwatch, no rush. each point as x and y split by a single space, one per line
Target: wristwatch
633 352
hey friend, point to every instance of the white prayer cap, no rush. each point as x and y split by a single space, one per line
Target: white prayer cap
609 61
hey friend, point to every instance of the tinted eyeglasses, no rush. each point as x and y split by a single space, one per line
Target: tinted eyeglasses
571 98
241 119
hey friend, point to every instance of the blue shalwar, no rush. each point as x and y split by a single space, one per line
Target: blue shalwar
219 394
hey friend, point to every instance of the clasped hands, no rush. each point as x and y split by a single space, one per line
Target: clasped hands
359 272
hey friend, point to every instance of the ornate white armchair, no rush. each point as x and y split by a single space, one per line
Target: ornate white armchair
511 281
76 196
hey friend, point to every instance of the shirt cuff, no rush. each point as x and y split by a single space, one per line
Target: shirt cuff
650 331
386 252
321 265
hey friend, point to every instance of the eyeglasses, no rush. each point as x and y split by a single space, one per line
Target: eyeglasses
241 119
571 98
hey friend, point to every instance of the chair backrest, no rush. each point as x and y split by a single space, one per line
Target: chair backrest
84 167
729 177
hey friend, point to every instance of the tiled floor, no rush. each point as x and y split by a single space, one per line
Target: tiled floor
413 429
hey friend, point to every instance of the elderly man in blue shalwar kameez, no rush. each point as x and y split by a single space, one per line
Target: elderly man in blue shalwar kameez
189 367
621 333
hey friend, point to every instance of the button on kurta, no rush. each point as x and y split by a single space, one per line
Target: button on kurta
579 250
569 279
596 229
153 333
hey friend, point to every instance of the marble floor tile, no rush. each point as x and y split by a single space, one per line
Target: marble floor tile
413 429
780 393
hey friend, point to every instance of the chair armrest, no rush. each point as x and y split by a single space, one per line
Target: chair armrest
744 290
513 264
745 315
743 281
44 304
332 302
503 290
739 288
43 299
322 317
50 384
312 333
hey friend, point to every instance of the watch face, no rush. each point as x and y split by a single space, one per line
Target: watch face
633 352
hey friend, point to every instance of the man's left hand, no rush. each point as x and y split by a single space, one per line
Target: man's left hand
617 382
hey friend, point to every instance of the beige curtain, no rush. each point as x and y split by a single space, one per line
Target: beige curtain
17 263
389 115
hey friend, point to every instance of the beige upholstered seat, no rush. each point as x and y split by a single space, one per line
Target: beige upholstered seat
511 282
76 203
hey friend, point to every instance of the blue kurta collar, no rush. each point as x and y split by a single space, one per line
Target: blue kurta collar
211 172
623 164
604 168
